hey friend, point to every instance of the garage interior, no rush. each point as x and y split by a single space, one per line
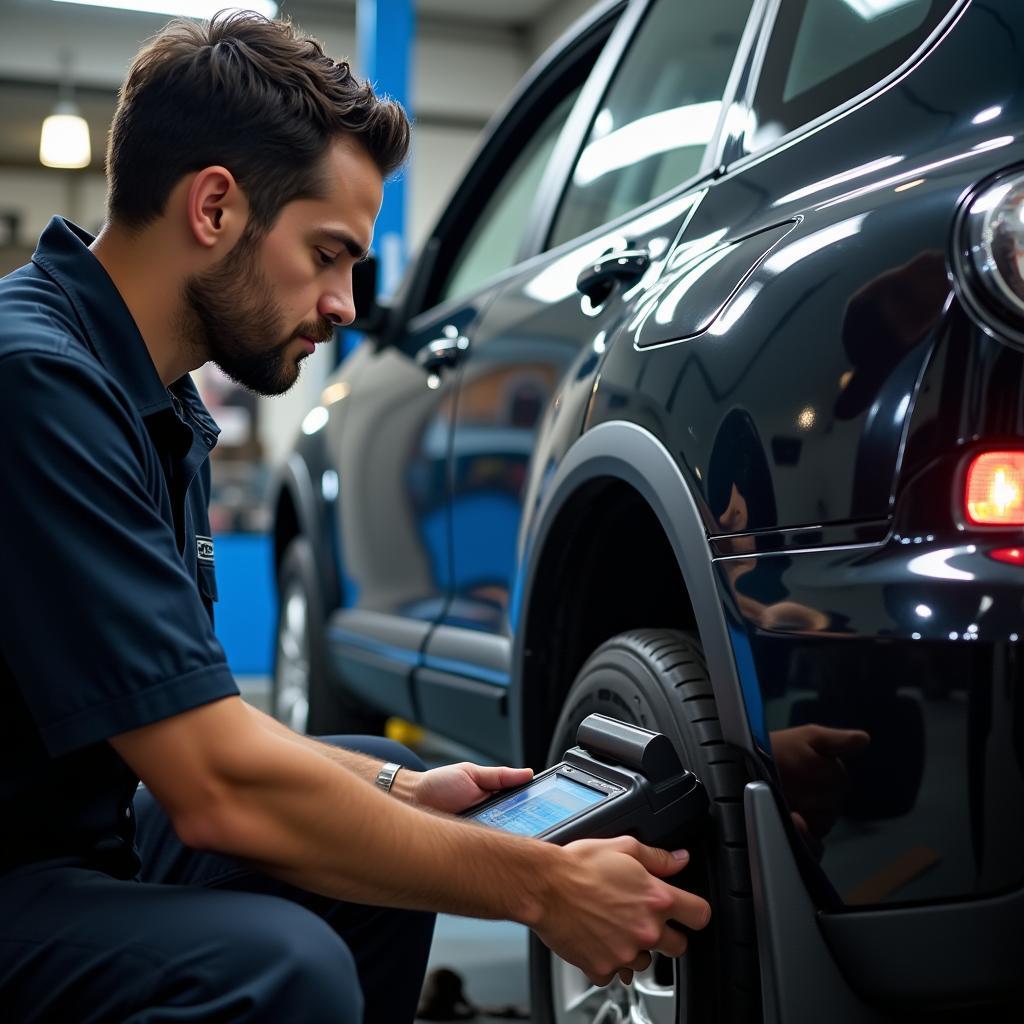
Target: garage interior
701 412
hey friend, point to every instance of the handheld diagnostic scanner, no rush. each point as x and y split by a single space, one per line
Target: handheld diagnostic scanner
618 780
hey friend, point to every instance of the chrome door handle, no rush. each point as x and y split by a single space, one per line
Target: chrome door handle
596 279
443 353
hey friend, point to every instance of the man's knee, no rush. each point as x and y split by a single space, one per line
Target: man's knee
321 974
292 966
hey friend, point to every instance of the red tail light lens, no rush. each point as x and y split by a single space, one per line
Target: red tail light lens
995 489
1012 556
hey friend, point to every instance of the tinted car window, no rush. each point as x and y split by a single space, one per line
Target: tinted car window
494 240
659 114
823 52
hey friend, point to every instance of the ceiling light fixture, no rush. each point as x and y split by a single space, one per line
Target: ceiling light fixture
181 8
64 139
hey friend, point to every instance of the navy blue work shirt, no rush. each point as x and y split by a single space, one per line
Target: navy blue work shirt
106 622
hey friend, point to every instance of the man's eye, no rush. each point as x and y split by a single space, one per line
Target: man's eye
326 258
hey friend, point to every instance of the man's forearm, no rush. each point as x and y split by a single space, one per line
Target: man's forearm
363 765
297 818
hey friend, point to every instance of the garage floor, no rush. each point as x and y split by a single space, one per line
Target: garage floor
490 956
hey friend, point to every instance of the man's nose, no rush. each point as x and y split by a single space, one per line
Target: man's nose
337 307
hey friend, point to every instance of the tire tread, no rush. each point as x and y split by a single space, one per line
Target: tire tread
728 951
724 778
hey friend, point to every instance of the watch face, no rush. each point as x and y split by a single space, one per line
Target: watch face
386 776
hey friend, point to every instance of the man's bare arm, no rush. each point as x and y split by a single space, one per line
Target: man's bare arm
451 788
232 785
363 765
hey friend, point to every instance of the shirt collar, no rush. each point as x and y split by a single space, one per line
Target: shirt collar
63 253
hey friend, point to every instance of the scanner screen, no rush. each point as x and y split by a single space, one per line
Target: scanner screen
541 806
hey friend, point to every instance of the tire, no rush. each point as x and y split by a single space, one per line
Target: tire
658 679
303 694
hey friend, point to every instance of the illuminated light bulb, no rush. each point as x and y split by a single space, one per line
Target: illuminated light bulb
64 140
995 489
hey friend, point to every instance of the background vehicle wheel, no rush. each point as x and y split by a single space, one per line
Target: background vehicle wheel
302 694
658 679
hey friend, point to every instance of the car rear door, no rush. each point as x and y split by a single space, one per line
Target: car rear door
394 509
633 162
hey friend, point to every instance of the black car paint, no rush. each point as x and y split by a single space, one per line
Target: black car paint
803 461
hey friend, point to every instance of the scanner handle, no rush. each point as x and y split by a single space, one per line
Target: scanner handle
650 753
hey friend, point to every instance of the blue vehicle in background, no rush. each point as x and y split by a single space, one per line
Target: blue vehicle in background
703 407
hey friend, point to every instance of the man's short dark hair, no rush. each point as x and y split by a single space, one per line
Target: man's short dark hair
246 93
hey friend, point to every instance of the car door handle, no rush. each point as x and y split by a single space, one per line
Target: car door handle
599 277
443 353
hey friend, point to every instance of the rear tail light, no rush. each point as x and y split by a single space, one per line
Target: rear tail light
995 489
990 260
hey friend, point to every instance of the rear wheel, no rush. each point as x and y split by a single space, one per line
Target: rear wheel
658 679
303 695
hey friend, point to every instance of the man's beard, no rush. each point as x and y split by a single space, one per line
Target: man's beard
229 315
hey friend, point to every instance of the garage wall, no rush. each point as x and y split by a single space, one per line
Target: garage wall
37 195
460 77
546 29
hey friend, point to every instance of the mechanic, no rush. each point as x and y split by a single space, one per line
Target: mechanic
258 875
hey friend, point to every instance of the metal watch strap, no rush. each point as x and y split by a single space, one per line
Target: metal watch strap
386 776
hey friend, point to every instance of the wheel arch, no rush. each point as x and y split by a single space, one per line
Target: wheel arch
615 462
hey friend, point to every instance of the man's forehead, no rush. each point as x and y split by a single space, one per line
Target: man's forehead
352 197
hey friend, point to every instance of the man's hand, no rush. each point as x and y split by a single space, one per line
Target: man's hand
611 909
809 762
455 787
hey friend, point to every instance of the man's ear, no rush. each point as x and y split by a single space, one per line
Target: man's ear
217 209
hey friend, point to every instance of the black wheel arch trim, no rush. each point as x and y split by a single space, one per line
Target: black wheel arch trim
627 452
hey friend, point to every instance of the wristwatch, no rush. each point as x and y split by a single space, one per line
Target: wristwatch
386 776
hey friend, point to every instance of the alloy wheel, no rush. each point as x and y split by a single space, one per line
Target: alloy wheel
652 998
291 690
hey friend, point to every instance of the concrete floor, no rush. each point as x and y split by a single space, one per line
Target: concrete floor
490 956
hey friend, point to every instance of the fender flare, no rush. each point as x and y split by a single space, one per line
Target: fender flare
629 453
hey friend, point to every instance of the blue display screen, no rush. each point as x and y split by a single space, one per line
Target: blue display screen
541 806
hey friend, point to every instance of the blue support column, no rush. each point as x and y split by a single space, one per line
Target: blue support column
384 32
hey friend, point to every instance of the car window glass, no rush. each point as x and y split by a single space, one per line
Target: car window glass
658 115
823 52
493 241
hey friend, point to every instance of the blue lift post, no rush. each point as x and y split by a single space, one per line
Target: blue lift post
384 39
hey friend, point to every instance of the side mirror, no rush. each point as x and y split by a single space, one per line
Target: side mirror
371 315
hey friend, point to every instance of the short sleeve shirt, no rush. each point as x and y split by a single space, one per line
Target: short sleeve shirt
106 620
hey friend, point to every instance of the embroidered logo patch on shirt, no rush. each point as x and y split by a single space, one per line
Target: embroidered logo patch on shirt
204 549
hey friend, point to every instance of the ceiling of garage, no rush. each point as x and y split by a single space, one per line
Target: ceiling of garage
36 35
521 12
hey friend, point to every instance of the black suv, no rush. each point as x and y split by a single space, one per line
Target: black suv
703 406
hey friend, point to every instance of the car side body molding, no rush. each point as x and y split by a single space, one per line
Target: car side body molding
624 451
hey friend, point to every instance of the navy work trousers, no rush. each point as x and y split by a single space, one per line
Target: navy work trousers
201 937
